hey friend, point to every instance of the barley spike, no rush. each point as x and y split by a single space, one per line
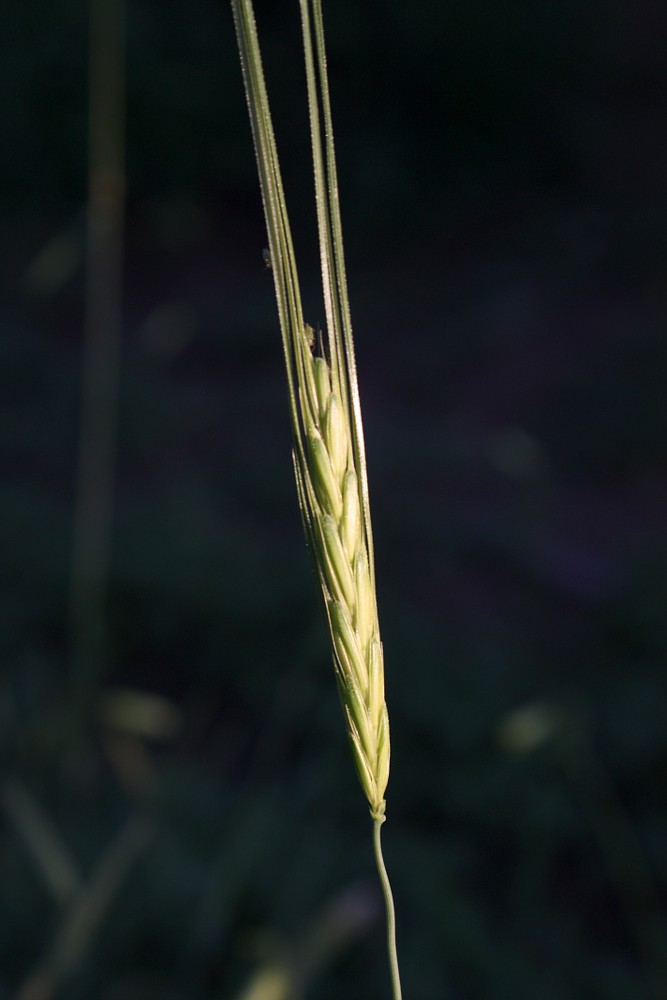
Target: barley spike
325 411
330 479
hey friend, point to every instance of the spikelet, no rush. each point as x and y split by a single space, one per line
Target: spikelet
329 488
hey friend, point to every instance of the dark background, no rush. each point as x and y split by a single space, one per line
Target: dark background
503 175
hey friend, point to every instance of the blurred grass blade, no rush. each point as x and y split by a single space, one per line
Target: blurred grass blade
102 338
42 840
81 921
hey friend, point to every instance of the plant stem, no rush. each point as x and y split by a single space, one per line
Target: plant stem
103 328
391 912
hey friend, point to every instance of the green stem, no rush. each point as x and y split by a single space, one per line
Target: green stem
103 322
391 912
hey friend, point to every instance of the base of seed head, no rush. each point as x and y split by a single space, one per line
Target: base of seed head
379 814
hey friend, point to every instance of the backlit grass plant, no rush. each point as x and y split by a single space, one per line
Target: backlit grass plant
328 452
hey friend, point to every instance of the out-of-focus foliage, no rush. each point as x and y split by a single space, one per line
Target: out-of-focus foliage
199 833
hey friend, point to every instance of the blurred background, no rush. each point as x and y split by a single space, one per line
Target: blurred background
179 815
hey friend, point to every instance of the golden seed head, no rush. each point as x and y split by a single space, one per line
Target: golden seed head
342 560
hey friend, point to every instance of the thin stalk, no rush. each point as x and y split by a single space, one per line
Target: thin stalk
103 326
391 912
